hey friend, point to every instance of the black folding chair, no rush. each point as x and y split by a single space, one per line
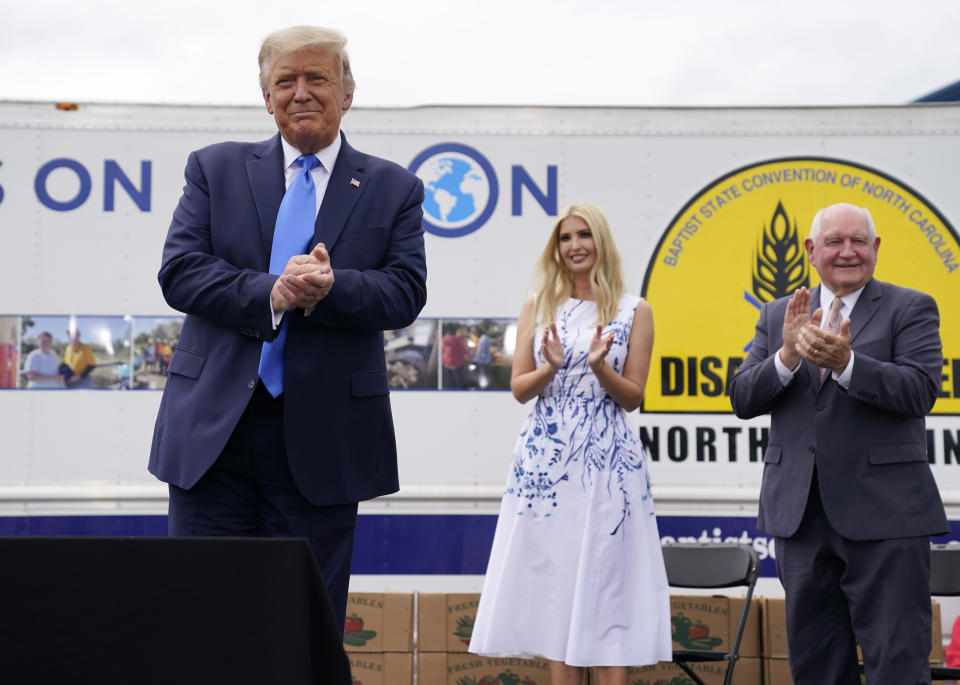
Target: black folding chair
945 582
712 565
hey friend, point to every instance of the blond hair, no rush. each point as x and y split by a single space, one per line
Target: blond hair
295 38
555 282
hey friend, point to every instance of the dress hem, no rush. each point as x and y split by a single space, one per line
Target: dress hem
538 655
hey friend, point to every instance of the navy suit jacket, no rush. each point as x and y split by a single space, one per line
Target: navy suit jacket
868 441
337 421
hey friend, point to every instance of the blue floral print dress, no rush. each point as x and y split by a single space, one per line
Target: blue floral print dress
576 573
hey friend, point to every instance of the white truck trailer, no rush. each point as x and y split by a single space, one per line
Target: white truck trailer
698 200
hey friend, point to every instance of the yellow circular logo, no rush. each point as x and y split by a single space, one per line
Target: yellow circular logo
739 243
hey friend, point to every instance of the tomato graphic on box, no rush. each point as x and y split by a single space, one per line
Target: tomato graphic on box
690 636
353 633
699 630
465 629
508 677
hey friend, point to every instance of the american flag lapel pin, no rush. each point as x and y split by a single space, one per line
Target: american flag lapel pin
355 183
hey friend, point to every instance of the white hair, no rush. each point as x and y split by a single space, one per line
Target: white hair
817 224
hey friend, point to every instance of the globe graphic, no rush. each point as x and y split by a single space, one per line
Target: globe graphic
455 189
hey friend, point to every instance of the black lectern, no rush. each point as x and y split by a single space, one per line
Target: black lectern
165 610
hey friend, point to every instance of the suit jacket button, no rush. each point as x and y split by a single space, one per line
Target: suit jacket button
252 383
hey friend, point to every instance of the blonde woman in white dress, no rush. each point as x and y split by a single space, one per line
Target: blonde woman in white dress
576 573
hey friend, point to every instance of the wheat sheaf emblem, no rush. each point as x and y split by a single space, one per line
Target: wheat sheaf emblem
779 265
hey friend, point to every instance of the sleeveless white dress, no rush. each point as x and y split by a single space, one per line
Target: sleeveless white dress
576 573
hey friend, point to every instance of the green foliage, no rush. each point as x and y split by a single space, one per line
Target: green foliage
358 638
464 627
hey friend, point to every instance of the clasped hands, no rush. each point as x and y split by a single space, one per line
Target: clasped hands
804 339
305 281
552 349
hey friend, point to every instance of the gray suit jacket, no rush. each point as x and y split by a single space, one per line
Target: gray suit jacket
868 442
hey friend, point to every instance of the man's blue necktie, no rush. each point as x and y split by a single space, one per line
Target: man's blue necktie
291 236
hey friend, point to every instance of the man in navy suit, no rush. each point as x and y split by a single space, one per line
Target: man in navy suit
239 460
847 490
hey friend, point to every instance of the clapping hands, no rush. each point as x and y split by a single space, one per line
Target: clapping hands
551 348
305 281
599 347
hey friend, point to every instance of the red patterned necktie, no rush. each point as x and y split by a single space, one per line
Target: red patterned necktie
833 323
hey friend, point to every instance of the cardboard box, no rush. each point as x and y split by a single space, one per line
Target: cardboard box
379 622
445 621
936 654
775 631
469 669
705 622
747 672
775 628
388 668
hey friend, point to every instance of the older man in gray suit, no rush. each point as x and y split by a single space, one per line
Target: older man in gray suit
847 489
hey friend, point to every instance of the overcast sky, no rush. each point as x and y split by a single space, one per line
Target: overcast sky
543 52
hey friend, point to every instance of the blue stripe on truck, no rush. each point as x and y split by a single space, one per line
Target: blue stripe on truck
421 544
